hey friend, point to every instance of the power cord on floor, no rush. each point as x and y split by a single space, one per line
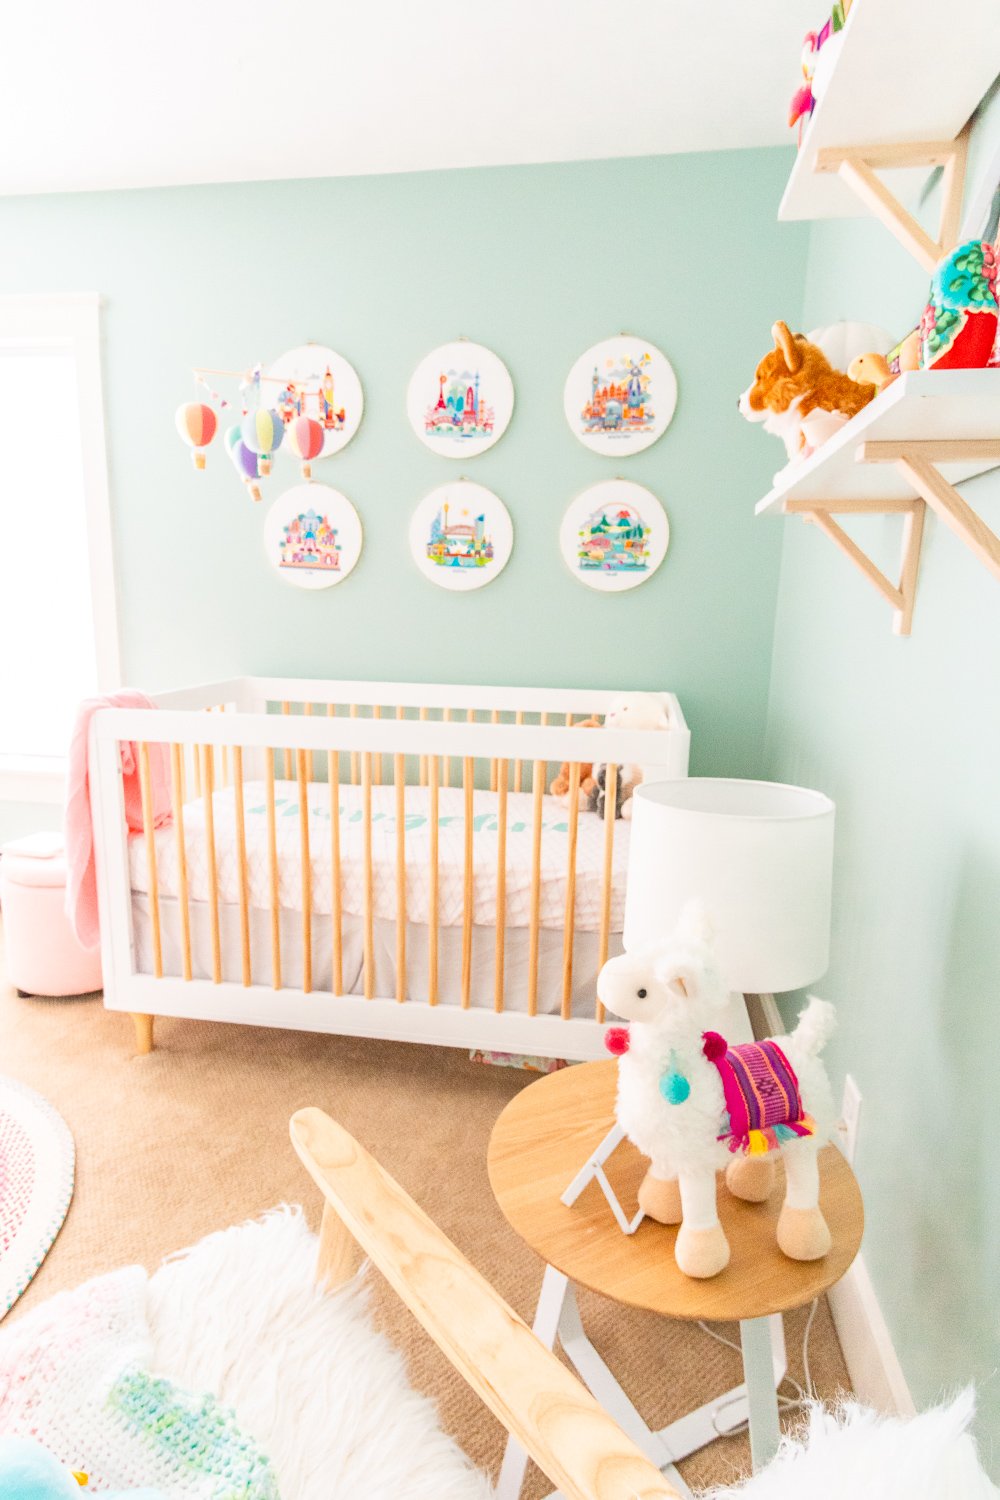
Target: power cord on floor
803 1394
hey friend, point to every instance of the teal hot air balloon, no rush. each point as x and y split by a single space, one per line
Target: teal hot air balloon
262 431
246 464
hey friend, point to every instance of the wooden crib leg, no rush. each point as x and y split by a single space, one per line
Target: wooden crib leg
143 1034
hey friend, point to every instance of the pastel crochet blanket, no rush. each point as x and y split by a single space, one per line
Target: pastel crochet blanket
74 1374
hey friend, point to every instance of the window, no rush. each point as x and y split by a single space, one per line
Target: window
58 636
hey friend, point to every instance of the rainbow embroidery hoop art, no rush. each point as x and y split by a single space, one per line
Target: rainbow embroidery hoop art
614 535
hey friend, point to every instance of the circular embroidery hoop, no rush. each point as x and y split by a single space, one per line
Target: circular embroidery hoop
461 536
314 381
620 396
460 399
313 536
614 535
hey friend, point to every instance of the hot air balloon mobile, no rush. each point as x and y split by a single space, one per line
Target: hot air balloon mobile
306 438
262 431
246 463
196 424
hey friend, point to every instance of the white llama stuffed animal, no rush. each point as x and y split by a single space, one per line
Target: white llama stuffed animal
679 1094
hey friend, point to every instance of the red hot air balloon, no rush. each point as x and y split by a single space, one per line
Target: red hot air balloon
196 424
306 438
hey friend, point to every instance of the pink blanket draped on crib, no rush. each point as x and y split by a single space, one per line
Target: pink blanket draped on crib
81 879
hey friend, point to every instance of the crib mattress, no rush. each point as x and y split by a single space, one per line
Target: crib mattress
451 855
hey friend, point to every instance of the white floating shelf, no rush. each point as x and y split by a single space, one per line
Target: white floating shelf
922 406
908 71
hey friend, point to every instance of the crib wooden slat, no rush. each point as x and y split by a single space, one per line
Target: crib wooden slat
368 907
501 932
518 719
177 791
446 759
610 798
399 775
468 786
432 933
336 909
241 859
537 788
354 753
307 709
377 714
196 759
146 794
569 925
494 719
302 775
272 861
423 758
208 786
286 709
225 752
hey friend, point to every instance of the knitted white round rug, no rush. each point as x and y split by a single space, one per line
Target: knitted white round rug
36 1184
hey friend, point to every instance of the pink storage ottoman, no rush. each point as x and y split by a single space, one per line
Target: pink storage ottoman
43 955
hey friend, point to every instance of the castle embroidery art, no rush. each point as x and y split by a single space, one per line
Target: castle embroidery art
312 536
620 396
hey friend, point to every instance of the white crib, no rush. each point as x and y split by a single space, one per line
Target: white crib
371 859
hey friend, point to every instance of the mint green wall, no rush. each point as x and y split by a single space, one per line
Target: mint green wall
905 735
535 262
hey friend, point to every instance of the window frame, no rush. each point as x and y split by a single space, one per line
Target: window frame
71 321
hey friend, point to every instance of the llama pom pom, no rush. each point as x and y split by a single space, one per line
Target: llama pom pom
715 1046
616 1039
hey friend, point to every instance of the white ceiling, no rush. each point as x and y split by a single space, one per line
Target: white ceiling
125 93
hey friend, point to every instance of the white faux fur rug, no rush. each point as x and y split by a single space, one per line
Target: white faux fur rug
324 1394
856 1454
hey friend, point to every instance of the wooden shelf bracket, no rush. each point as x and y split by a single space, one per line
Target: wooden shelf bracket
900 596
857 166
917 462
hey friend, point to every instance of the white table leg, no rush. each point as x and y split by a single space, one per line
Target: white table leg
762 1397
545 1326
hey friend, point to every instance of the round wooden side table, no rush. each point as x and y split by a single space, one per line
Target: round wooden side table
539 1145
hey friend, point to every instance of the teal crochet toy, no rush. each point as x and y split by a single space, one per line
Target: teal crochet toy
29 1472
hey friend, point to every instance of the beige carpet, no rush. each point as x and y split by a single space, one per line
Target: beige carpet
195 1137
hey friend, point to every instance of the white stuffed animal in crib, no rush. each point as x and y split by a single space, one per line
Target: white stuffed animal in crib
694 1105
630 711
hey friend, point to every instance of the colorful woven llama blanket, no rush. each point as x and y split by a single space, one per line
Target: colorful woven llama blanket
763 1104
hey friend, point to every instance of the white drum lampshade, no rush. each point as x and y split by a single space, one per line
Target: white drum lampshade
757 855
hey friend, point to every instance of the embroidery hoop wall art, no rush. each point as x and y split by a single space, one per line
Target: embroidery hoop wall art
460 399
614 535
620 396
461 536
314 381
312 535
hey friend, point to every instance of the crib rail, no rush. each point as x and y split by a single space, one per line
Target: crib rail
305 741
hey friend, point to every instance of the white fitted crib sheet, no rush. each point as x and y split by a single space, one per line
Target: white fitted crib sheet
451 855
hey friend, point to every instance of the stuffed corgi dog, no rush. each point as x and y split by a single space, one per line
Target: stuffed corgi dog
799 396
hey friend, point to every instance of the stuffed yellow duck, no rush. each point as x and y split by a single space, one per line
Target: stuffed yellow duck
30 1472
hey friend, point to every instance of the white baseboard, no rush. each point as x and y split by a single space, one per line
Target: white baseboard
872 1362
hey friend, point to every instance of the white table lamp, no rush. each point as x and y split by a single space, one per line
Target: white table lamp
757 855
